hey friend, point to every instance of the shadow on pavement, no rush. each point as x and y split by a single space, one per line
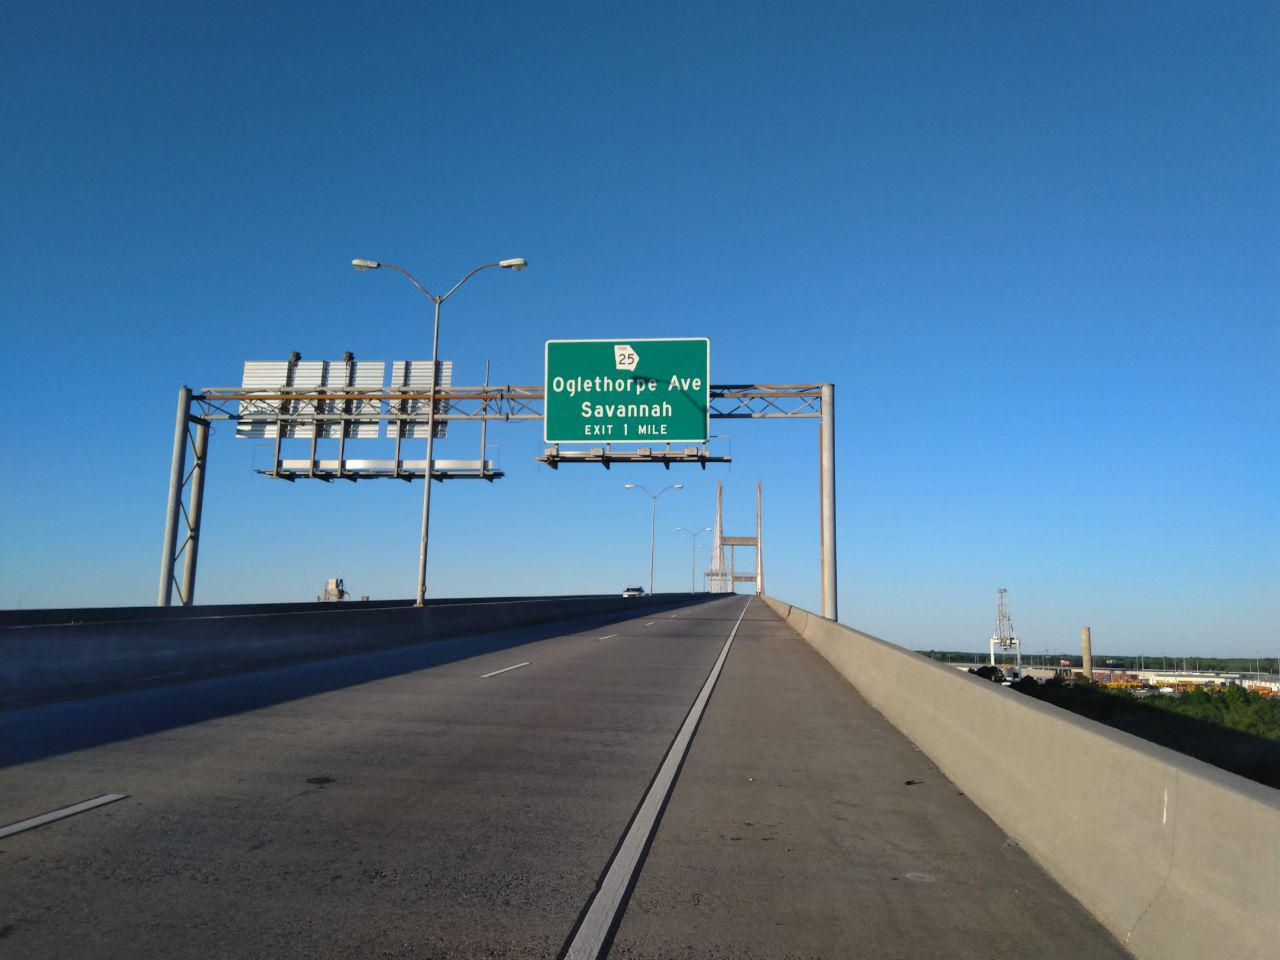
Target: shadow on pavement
45 730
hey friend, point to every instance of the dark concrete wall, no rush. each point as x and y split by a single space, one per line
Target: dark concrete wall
1178 859
69 657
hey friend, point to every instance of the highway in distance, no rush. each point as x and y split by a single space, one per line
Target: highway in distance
506 796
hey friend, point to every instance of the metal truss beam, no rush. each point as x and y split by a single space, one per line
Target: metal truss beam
776 401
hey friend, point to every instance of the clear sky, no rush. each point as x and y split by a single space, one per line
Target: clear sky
1034 245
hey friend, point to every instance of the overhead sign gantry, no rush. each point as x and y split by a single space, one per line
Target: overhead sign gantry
341 401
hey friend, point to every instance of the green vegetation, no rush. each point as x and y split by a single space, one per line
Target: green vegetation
1234 729
1235 708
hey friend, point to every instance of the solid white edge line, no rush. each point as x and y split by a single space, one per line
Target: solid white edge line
52 815
608 898
514 666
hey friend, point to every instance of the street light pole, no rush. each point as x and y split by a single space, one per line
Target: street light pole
518 263
426 473
693 554
653 516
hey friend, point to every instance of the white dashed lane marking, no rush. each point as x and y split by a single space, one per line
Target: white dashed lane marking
52 815
514 666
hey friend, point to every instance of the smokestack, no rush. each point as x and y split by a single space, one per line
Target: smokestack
1086 652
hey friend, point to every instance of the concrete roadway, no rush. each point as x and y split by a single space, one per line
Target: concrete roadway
401 804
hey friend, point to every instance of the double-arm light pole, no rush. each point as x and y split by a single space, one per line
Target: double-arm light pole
653 516
693 558
518 263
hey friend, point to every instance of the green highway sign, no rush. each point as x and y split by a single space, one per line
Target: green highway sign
627 391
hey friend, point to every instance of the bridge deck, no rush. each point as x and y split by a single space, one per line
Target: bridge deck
402 804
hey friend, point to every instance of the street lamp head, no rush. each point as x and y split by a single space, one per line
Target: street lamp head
629 486
366 264
679 486
518 263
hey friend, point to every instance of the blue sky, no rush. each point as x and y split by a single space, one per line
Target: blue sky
1033 245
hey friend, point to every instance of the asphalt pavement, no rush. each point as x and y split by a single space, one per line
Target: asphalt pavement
496 796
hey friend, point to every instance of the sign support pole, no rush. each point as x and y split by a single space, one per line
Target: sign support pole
827 486
200 449
177 471
759 539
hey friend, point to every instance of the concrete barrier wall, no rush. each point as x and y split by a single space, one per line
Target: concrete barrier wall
52 661
1178 859
28 618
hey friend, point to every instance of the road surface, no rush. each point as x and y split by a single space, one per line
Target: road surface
466 798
